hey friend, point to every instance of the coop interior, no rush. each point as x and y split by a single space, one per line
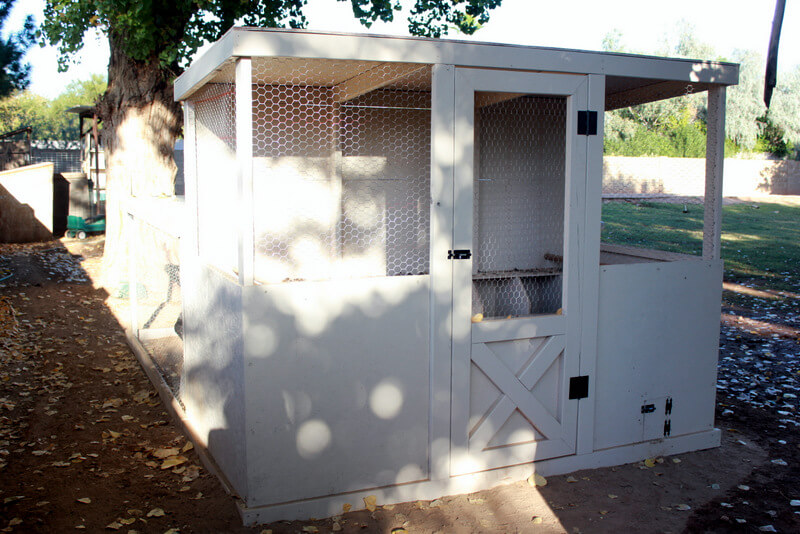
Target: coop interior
518 206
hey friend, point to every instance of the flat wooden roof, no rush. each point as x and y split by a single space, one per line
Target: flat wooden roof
630 79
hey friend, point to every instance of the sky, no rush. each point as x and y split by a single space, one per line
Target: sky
580 24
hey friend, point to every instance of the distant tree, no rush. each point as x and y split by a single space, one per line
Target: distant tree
49 119
784 110
612 42
15 74
744 103
677 126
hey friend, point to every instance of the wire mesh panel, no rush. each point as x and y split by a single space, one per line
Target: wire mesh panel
157 300
520 152
654 175
215 129
341 171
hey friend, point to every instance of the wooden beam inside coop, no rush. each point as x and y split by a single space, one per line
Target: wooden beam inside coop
375 78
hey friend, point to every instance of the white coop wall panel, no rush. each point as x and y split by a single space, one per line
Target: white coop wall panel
658 339
341 172
213 382
347 403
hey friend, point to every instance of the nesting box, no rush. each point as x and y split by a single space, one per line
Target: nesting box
392 275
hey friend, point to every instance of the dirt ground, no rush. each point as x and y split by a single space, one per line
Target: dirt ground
86 444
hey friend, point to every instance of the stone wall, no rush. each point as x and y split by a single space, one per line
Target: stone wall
26 204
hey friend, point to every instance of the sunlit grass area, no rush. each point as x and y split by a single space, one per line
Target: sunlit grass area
758 240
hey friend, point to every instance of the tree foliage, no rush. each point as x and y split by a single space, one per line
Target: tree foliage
49 119
15 73
171 32
676 127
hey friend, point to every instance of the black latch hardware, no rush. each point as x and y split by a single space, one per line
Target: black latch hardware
579 387
648 408
461 254
667 427
587 123
668 406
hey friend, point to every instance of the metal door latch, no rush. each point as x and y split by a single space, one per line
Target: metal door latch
460 254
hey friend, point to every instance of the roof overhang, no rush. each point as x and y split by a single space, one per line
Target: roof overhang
630 79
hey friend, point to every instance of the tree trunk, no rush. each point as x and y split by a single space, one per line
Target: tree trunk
141 123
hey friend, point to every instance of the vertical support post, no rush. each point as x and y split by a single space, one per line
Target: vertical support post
590 269
244 165
190 240
715 155
133 282
442 179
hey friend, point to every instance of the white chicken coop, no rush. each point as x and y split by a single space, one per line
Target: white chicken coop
392 275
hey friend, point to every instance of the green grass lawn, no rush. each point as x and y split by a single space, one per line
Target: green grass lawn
762 242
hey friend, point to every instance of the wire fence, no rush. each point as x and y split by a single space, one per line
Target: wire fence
154 294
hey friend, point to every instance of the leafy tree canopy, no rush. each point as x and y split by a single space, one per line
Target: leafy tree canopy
171 31
15 74
676 127
49 118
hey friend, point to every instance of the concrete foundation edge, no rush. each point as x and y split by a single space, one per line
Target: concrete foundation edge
432 489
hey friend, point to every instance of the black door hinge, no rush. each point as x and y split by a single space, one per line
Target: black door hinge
460 254
578 387
667 427
587 123
668 406
648 408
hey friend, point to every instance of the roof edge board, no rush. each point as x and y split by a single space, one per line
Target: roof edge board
206 66
255 42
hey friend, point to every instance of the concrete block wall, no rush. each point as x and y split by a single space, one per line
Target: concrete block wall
624 176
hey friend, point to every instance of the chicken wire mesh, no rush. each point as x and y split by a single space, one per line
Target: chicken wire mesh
341 169
518 209
217 201
156 304
654 175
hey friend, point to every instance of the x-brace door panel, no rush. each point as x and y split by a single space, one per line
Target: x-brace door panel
516 331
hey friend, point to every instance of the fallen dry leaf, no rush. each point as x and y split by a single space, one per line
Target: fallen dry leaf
172 461
155 512
537 480
369 502
346 507
166 453
85 500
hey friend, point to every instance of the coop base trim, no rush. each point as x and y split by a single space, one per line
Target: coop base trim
433 489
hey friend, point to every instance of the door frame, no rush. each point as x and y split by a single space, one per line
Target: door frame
576 90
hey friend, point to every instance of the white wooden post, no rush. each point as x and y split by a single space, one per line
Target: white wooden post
590 270
133 250
715 155
189 237
244 164
442 156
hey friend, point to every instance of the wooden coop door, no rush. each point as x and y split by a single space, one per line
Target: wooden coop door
519 182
